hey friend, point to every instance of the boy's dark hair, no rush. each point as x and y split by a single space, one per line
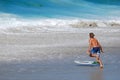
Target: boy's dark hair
91 35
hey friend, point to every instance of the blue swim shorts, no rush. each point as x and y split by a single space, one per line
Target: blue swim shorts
95 50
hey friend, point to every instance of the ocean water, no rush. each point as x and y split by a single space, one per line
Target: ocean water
57 15
62 8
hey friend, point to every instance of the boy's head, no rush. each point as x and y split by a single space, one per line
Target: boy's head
91 35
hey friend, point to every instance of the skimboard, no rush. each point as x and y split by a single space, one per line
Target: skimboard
86 63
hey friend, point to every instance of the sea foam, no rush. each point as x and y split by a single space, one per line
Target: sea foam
16 24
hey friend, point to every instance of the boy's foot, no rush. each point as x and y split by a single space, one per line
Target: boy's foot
101 66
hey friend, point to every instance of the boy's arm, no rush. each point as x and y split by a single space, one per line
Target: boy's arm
101 49
89 48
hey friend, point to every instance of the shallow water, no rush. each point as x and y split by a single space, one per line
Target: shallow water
63 69
51 55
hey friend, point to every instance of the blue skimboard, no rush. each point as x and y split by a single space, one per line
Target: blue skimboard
86 63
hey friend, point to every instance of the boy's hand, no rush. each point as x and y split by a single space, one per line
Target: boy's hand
102 51
88 51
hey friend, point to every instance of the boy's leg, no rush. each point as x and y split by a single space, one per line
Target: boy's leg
98 59
89 53
93 55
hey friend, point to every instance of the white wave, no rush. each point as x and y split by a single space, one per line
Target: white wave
16 24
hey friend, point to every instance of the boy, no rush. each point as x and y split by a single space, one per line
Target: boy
94 49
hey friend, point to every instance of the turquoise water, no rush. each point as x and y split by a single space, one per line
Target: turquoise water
61 8
57 15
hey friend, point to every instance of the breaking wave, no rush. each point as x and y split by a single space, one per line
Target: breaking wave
16 24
